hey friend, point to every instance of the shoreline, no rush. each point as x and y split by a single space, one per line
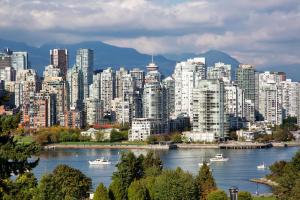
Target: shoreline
264 181
167 147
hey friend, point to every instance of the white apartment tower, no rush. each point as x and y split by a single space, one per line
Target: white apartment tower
186 75
208 108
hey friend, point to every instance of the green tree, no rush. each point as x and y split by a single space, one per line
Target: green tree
23 188
64 183
15 159
128 169
205 182
176 185
176 137
101 193
244 195
138 191
277 169
217 195
116 136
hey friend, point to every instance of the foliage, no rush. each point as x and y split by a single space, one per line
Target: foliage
151 139
128 169
217 195
152 161
290 123
64 183
138 191
205 182
244 195
176 185
57 134
116 136
101 193
176 138
23 188
282 135
287 175
9 122
14 159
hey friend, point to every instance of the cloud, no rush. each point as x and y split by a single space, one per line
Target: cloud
255 31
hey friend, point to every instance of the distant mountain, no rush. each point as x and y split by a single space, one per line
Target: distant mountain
211 57
105 55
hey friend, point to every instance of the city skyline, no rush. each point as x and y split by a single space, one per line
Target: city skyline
256 32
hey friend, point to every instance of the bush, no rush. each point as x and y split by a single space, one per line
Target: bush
244 195
217 195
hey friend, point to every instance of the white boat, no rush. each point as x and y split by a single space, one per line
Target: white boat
100 161
262 166
218 158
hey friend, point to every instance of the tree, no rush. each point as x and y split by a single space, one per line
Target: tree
138 191
15 159
244 195
101 193
23 188
116 136
176 137
217 195
128 169
176 185
205 182
64 183
277 169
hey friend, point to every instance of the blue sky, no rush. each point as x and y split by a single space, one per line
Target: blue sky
260 32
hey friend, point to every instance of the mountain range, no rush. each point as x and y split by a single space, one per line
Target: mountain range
106 55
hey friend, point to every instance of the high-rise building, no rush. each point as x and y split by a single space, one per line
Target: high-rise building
85 63
234 105
119 81
107 89
96 87
247 81
60 59
169 85
75 87
290 98
19 60
219 71
186 75
139 76
94 111
54 83
208 108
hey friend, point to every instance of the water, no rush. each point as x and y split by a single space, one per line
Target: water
236 172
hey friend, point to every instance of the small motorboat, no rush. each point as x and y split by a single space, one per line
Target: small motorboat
262 166
218 158
100 161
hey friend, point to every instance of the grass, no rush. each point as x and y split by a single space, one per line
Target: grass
24 139
264 198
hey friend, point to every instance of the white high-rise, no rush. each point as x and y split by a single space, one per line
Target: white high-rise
219 71
290 98
169 85
186 75
208 109
107 89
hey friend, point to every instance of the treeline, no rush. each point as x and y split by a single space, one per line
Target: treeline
287 176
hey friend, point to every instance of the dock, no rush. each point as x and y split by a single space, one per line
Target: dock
245 145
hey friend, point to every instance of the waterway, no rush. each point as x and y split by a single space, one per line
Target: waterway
241 167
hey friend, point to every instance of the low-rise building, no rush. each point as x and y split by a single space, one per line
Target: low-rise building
142 128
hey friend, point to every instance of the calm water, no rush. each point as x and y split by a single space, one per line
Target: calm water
236 172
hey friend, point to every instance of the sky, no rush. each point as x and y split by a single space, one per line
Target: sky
260 32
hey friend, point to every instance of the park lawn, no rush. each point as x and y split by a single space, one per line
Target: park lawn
24 139
264 198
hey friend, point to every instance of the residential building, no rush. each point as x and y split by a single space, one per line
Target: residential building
208 108
107 89
60 59
186 75
219 71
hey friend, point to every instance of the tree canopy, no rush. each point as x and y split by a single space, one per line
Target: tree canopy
205 182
